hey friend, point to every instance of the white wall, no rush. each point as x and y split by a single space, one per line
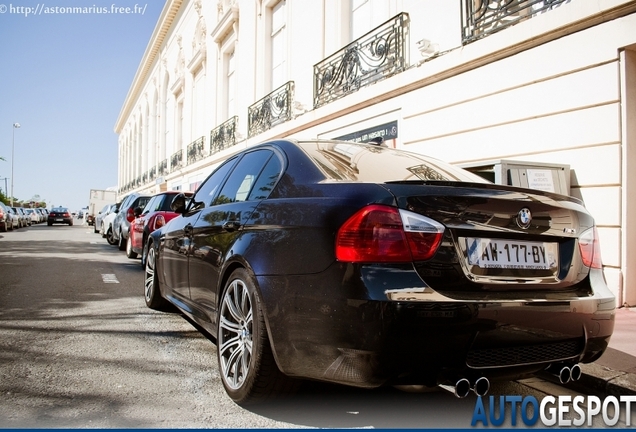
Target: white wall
544 90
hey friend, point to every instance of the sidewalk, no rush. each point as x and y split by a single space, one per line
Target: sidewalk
615 372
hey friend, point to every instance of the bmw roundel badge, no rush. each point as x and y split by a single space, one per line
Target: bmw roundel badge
524 218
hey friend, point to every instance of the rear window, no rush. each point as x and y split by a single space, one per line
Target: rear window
369 163
165 203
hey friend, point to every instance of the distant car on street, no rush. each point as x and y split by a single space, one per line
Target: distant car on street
121 224
154 215
106 228
99 217
24 218
60 215
16 224
6 219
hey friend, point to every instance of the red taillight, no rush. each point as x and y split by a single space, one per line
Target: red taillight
130 215
590 249
159 221
380 233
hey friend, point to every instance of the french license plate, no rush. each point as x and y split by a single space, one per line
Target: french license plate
511 254
59 220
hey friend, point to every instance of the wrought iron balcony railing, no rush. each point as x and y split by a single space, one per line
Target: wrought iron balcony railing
152 173
163 168
484 17
144 178
377 55
195 150
273 109
224 135
176 160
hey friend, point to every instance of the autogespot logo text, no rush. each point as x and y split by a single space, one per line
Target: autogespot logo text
559 411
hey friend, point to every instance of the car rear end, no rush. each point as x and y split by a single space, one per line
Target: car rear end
60 215
129 217
5 219
436 281
503 282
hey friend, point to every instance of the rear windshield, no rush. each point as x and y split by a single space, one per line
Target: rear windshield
370 163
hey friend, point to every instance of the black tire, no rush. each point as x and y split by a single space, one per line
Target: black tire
121 242
110 238
4 228
144 254
152 291
49 223
248 376
95 230
129 252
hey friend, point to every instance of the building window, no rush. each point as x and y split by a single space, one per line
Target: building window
279 44
230 85
198 104
360 18
179 125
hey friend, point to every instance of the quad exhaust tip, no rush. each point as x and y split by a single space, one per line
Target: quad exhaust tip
565 374
575 372
463 387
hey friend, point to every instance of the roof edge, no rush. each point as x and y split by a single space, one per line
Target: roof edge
168 14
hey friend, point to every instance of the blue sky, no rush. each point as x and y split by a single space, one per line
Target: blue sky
64 78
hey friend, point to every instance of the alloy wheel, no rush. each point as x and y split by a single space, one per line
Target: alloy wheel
235 334
149 280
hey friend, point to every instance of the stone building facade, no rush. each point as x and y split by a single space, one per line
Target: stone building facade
516 89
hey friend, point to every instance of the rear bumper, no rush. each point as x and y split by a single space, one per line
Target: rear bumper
366 326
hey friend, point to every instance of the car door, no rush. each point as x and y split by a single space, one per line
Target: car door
177 235
121 215
138 224
221 226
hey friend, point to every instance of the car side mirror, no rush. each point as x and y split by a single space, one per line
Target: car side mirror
179 204
138 211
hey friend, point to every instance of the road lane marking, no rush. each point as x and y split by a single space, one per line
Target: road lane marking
109 278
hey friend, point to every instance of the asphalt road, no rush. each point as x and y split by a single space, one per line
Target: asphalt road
79 349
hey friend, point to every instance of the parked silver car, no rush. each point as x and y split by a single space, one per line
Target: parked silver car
6 220
99 217
25 220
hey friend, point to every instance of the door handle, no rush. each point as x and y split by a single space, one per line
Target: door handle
231 226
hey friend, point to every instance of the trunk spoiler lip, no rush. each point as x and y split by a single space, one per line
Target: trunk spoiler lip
489 186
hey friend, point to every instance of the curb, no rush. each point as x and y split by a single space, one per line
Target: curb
597 379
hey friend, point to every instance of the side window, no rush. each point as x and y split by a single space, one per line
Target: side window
207 191
142 202
243 177
164 204
267 179
151 203
125 201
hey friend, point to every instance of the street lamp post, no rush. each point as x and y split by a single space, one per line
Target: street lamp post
15 126
5 185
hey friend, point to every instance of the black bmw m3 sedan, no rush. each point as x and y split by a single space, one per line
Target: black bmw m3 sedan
368 266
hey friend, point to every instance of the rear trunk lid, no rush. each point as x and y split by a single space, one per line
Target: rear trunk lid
499 237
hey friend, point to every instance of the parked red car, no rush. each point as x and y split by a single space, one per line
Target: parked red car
154 215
